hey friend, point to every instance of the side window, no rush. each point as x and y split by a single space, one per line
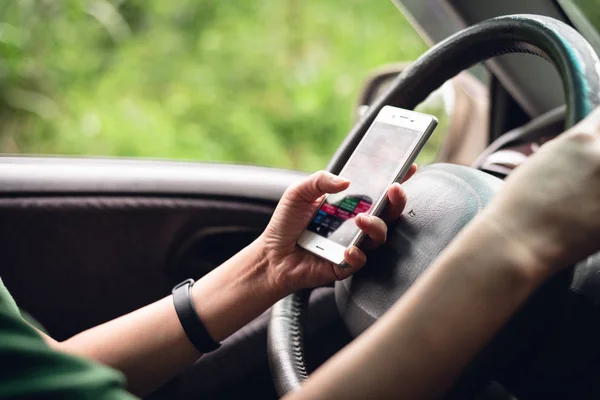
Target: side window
270 82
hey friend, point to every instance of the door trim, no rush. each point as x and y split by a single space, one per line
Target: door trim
79 176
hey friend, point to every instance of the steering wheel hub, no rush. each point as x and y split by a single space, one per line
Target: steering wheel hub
442 199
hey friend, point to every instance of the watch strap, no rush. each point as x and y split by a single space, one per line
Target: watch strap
189 319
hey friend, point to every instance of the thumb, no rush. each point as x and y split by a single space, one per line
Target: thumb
315 186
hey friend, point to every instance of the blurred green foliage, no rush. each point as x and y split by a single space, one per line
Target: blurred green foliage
591 10
270 82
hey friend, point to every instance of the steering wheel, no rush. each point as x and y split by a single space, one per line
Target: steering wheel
443 198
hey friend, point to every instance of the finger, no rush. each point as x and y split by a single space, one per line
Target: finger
316 185
355 260
396 202
411 172
374 228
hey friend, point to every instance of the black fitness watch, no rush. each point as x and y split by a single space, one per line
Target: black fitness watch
189 319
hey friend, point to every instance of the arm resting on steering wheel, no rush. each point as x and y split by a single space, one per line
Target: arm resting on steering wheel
419 347
545 218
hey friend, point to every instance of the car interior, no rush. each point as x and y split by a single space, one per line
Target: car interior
86 240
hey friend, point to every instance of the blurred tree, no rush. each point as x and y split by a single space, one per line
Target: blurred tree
267 82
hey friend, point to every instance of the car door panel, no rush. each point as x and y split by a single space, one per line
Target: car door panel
88 240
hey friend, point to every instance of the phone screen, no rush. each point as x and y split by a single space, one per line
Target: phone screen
371 169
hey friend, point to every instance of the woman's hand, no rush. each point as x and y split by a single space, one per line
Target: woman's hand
293 268
550 206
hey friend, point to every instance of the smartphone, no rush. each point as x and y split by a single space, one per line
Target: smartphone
383 156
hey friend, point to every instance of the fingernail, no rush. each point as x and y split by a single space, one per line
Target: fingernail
353 252
338 180
367 219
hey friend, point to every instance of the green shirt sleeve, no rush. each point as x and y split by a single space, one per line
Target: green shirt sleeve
30 369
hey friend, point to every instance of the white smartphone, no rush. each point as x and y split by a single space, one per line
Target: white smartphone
383 156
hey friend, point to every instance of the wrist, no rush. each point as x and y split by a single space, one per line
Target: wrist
236 292
518 252
271 271
274 267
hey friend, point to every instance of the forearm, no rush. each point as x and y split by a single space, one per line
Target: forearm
149 345
421 345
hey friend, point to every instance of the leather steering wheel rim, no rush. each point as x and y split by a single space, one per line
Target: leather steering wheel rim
573 58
